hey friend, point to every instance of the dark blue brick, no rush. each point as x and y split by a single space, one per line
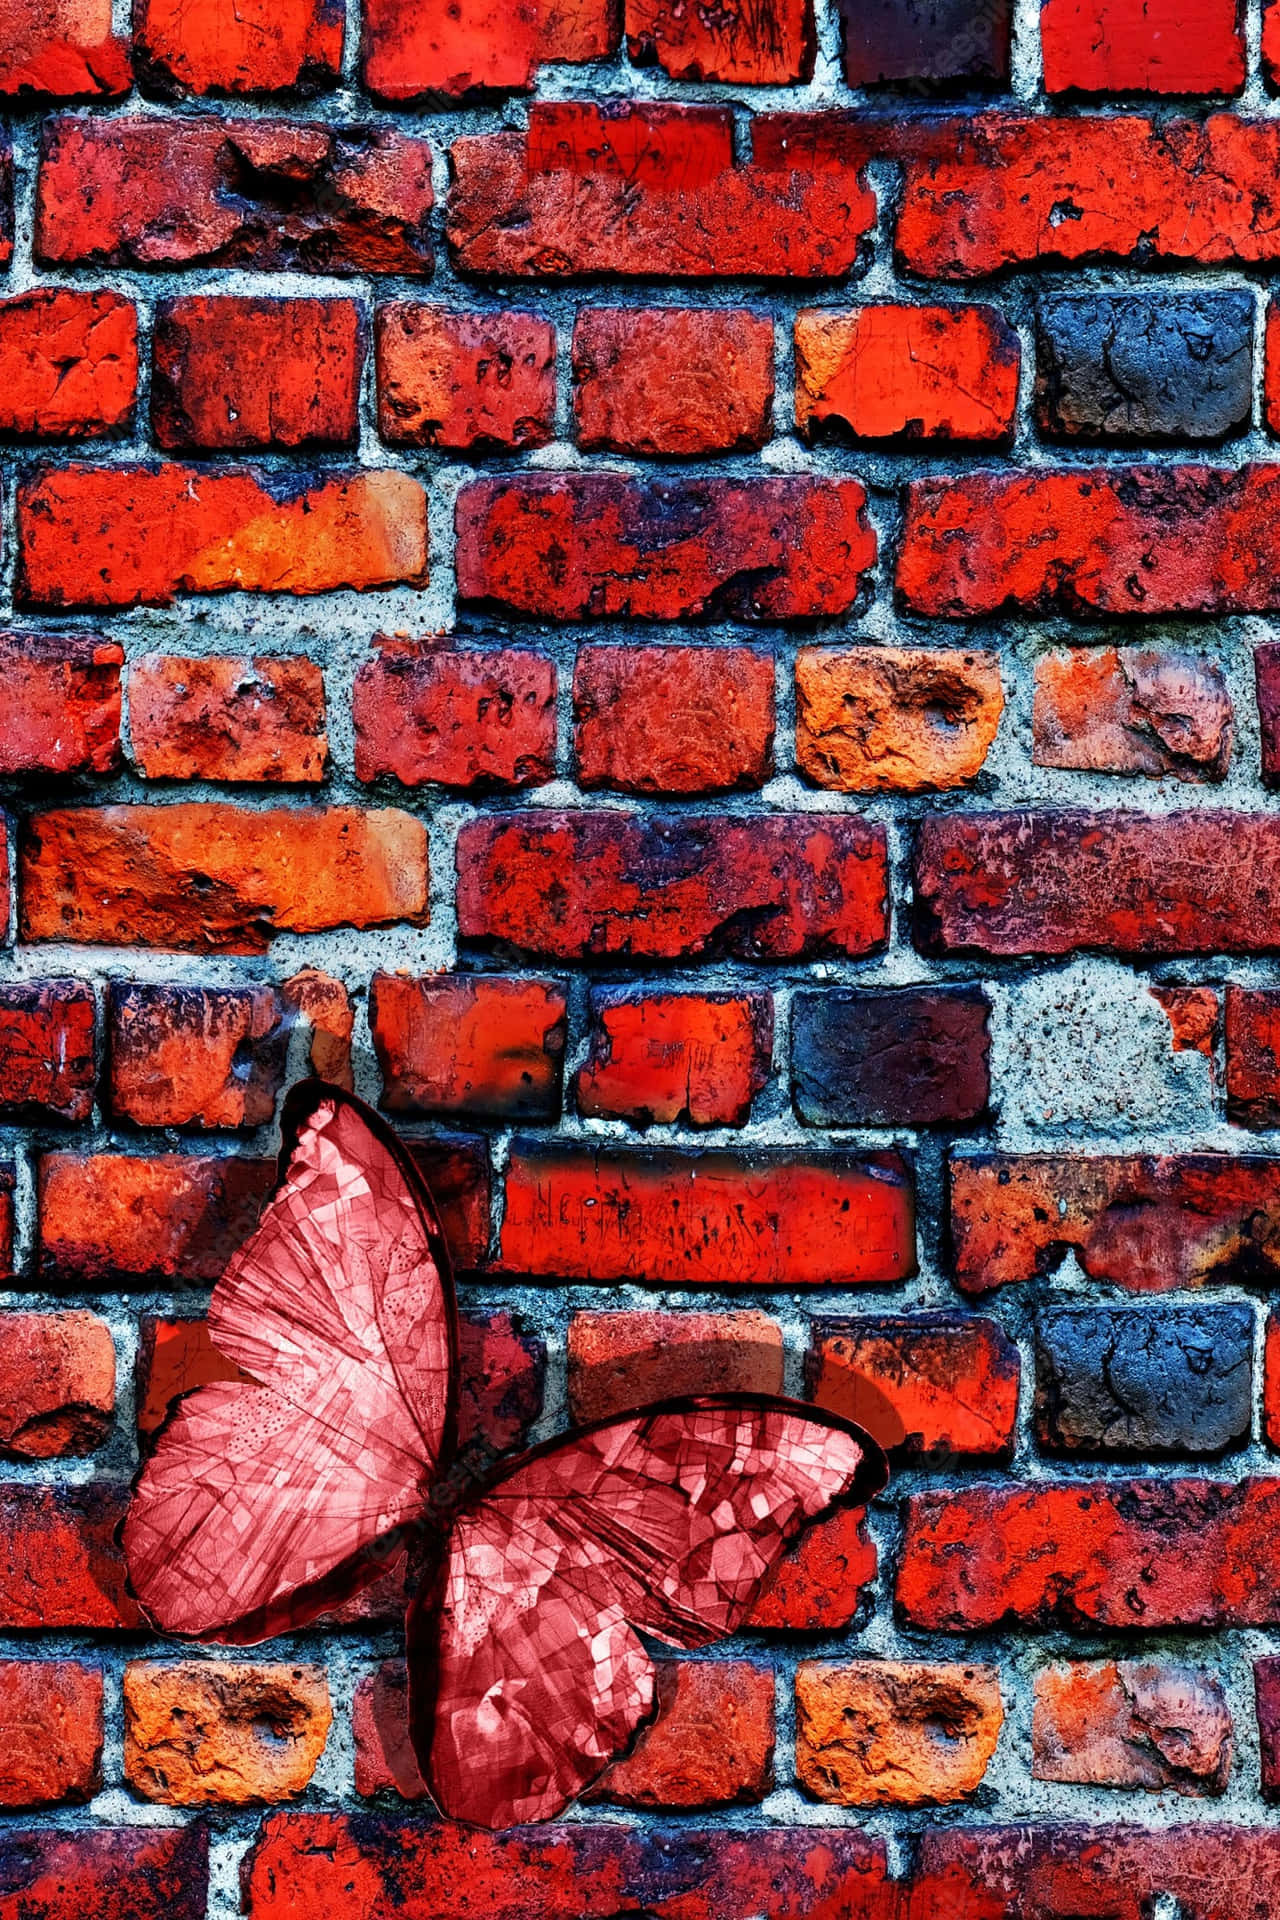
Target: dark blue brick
1145 368
914 1057
935 45
1142 1382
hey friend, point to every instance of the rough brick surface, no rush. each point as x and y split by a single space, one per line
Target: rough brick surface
618 1361
593 546
57 1384
233 373
907 373
675 1057
64 712
930 1387
195 1056
711 1744
1133 710
944 44
62 50
821 1584
1140 1384
427 712
1266 661
115 1873
62 1566
68 364
463 381
1142 46
916 1057
1130 368
756 46
228 718
1266 1674
673 719
672 381
216 878
459 1045
167 1217
895 719
574 886
47 1065
1252 1031
51 1727
204 1733
878 1733
477 49
1131 1723
238 46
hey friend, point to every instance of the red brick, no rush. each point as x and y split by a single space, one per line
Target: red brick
673 380
228 717
461 381
238 46
146 191
325 1009
61 1565
1127 1723
821 1582
195 1056
1118 1871
113 1873
1022 883
234 372
108 1216
1149 1223
1145 541
501 1373
687 1059
592 546
579 886
618 1361
63 715
57 1384
906 373
47 1065
737 42
710 1745
1266 666
1271 43
928 1386
1253 1056
473 1044
652 190
709 1219
1142 46
1266 1678
215 878
1138 1554
385 1759
428 712
6 1220
1000 191
673 719
62 50
1133 710
124 536
478 48
174 1357
68 364
459 1176
51 1731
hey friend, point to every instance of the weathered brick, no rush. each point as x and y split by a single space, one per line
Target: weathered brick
820 1584
473 1044
68 364
652 190
124 536
673 719
51 1731
1266 1680
941 43
325 1008
231 372
591 884
1130 1723
61 1565
464 381
1139 1383
152 192
500 1387
947 1385
217 1733
1021 883
1193 1015
228 717
57 1384
1266 666
895 719
62 50
1140 1554
1128 367
618 1361
380 1729
908 1057
875 1733
6 1219
1150 1223
1133 710
711 1744
459 1176
426 711
593 546
737 43
63 713
47 1065
238 46
1002 191
478 48
112 1216
1142 46
218 879
672 381
113 1873
906 373
709 1219
195 1056
687 1059
1252 1030
1121 1870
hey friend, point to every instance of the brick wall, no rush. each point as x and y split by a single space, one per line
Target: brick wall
686 602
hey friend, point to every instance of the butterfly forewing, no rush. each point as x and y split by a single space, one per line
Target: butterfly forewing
526 1674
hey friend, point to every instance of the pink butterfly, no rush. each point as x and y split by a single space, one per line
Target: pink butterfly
269 1500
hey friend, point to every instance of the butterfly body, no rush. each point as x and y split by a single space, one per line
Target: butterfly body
269 1499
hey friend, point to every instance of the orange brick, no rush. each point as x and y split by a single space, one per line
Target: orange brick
464 381
216 1733
224 717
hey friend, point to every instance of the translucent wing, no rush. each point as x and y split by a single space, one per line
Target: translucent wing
263 1499
526 1674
